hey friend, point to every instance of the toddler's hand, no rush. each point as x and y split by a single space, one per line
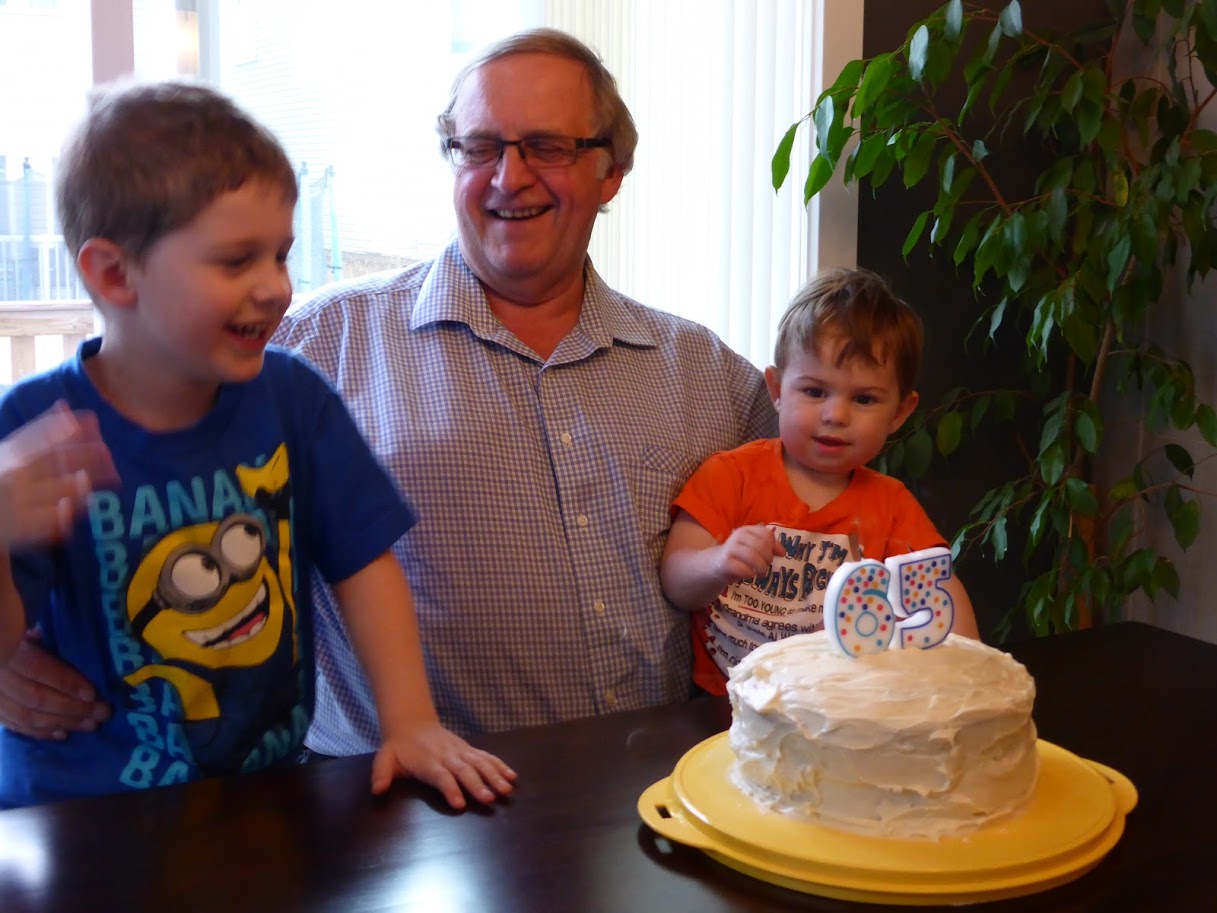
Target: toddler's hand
748 551
444 760
47 469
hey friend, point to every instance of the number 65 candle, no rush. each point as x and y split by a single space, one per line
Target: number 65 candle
867 603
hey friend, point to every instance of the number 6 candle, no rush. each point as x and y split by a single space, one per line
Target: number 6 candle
868 602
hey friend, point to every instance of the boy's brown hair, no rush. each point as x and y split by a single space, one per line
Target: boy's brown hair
857 306
149 157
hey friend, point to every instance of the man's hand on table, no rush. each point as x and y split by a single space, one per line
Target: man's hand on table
44 698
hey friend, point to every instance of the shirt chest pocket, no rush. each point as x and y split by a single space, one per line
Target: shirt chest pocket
655 478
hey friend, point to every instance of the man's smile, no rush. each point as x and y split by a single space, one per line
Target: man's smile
517 214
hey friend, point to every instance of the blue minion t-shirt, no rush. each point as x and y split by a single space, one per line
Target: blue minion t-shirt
183 593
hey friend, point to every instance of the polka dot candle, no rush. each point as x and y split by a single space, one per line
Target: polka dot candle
857 611
915 588
868 603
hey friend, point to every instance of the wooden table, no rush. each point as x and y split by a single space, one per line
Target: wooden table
1140 699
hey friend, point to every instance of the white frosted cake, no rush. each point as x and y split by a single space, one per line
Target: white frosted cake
905 743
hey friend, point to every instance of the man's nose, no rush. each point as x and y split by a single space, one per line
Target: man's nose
512 170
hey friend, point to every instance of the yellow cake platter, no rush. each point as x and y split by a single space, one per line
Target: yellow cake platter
1075 817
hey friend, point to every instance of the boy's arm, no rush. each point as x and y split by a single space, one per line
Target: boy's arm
695 567
378 609
965 616
47 469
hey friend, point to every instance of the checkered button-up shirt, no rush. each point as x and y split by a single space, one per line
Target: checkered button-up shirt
543 489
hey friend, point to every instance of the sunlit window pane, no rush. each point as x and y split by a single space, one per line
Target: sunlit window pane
352 90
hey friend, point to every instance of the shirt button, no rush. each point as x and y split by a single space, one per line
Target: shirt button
599 607
565 438
582 521
610 698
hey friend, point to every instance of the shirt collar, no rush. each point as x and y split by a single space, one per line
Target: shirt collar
451 293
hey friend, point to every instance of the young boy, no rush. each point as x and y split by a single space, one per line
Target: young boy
759 530
183 591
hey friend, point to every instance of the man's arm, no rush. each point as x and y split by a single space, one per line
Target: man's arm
47 469
44 698
378 609
12 612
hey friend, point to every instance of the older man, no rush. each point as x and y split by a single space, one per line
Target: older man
540 422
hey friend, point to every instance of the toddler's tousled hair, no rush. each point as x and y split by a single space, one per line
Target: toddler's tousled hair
149 157
858 307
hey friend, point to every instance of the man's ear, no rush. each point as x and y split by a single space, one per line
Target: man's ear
106 270
610 183
773 380
906 408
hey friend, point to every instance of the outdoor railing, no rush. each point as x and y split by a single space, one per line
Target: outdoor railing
23 322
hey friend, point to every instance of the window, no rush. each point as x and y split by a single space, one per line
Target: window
352 90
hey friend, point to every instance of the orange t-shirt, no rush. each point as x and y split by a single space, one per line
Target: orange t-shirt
748 485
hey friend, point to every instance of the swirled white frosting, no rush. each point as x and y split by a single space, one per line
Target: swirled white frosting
914 744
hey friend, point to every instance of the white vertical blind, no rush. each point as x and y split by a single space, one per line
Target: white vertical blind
713 85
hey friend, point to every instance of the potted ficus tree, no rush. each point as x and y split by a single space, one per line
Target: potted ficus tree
1065 266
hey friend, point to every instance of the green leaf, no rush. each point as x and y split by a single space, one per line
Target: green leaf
1071 94
949 430
781 158
1185 520
954 19
1117 260
997 536
1039 604
868 150
817 176
1119 188
1011 19
848 77
914 234
994 41
917 163
995 321
1035 531
918 47
1206 421
1058 213
823 116
1086 431
1166 576
1089 119
967 239
1080 497
1181 459
1137 570
1052 463
917 454
874 80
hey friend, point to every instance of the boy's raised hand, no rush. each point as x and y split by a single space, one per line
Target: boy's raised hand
748 551
440 758
47 469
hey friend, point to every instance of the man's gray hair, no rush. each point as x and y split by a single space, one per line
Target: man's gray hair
613 119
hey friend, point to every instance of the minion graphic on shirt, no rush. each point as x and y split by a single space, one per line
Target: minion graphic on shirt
214 601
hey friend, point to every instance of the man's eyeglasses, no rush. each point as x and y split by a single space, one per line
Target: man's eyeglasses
536 151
